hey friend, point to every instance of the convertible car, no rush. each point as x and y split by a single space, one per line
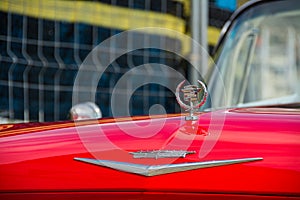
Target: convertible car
239 140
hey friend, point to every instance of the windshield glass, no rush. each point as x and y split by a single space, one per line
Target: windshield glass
259 59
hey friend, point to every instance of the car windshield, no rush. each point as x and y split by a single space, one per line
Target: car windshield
258 61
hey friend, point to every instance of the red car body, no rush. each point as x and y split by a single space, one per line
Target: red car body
39 160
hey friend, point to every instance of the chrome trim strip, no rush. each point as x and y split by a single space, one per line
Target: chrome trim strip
153 170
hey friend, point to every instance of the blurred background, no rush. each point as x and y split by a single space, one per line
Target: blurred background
43 44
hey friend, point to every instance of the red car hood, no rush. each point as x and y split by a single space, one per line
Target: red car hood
40 157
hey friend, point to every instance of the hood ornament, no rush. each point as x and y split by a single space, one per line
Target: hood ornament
191 94
161 154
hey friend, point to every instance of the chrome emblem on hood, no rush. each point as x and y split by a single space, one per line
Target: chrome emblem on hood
153 170
161 154
191 94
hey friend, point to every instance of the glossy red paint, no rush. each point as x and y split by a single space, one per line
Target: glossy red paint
42 162
136 196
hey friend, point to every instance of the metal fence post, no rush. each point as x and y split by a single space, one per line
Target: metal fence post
199 23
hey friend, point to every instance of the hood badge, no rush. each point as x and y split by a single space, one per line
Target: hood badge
154 170
191 94
161 154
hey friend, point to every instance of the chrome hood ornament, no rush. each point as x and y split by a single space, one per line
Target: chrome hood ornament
153 170
86 110
191 94
161 154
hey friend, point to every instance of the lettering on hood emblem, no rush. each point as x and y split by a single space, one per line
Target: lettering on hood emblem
161 154
153 170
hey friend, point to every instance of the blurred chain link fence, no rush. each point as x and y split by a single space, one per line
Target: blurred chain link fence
43 43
